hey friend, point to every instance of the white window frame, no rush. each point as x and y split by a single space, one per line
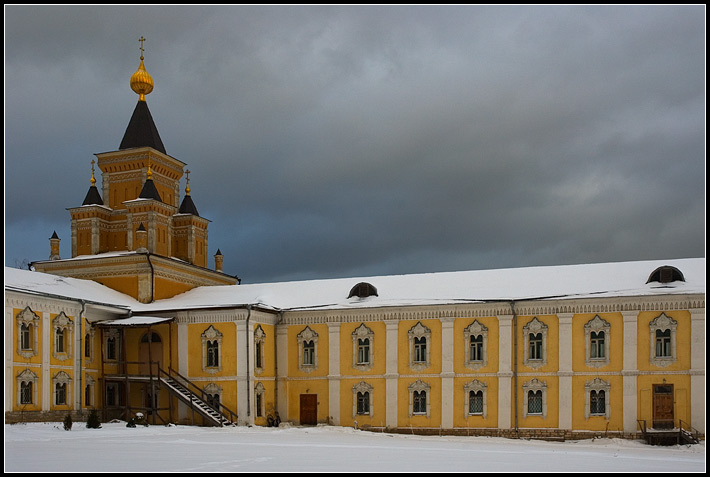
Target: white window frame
363 387
30 319
662 323
306 336
362 332
596 325
62 324
211 335
535 327
418 332
535 385
27 377
259 339
475 329
475 386
596 385
419 386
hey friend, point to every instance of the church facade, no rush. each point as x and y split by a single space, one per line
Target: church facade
135 321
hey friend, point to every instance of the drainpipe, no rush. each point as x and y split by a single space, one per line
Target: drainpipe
152 278
80 351
515 363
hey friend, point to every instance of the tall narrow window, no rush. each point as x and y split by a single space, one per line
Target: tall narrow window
111 348
309 349
212 354
363 403
476 348
363 351
596 397
87 346
363 347
597 402
362 399
259 340
535 346
211 350
419 402
59 341
663 343
420 350
60 393
475 402
663 340
535 402
535 398
597 345
25 337
62 327
26 392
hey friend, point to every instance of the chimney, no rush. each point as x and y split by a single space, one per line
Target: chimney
54 246
218 261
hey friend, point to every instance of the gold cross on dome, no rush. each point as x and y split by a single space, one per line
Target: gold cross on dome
141 40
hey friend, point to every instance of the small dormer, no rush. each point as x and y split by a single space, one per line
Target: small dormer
666 274
363 290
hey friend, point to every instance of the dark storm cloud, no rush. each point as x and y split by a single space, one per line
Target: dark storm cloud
340 141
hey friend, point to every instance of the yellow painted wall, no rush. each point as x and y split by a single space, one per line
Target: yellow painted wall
551 417
377 401
228 349
433 398
321 351
681 396
378 349
461 347
616 341
552 351
598 423
459 405
314 386
433 346
682 344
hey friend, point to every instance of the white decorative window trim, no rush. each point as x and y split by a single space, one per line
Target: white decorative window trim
30 319
259 400
475 386
24 378
63 379
303 338
211 334
663 323
419 332
535 385
476 329
596 325
535 327
62 324
115 335
363 333
362 387
419 386
213 389
89 389
596 385
259 340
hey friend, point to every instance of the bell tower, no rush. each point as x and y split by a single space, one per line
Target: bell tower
134 235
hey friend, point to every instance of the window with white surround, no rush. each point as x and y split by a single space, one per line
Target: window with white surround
596 398
475 402
214 395
597 333
27 387
112 344
535 343
63 328
475 344
89 343
259 393
307 350
419 340
89 391
28 336
363 346
259 339
535 398
663 340
419 399
362 399
211 350
61 382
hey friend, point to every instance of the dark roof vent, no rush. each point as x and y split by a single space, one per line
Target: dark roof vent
666 274
363 290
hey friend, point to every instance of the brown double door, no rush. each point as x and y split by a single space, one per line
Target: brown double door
663 406
309 409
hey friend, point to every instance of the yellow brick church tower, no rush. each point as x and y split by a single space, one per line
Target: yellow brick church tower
139 239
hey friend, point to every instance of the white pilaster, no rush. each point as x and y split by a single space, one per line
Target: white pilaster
391 374
697 369
334 373
282 371
565 370
447 373
629 371
505 370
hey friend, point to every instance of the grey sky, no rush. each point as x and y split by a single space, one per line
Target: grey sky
343 141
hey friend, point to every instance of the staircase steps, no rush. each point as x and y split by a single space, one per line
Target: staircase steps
196 402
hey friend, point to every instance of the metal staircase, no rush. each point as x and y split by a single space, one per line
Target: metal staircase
196 398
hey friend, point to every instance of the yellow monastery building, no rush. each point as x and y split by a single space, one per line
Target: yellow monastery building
136 321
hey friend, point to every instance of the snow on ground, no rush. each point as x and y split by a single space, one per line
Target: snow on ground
47 447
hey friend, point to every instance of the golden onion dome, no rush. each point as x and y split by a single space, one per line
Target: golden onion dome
141 81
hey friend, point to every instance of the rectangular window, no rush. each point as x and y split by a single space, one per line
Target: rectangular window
309 349
258 361
476 348
111 348
475 403
60 394
420 350
597 345
59 340
419 404
534 402
87 395
663 344
363 403
535 346
25 393
363 351
212 354
597 402
25 340
258 404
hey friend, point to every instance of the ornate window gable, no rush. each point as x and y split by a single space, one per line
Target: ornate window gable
476 345
28 333
27 387
362 399
532 390
214 394
419 398
663 340
211 350
62 328
363 347
535 339
419 347
596 398
61 383
307 350
596 342
259 339
475 387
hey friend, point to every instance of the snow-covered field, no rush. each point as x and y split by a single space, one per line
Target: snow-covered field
47 447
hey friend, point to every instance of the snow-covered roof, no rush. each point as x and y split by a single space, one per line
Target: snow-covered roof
616 279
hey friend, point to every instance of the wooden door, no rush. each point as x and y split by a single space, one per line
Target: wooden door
663 406
309 409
